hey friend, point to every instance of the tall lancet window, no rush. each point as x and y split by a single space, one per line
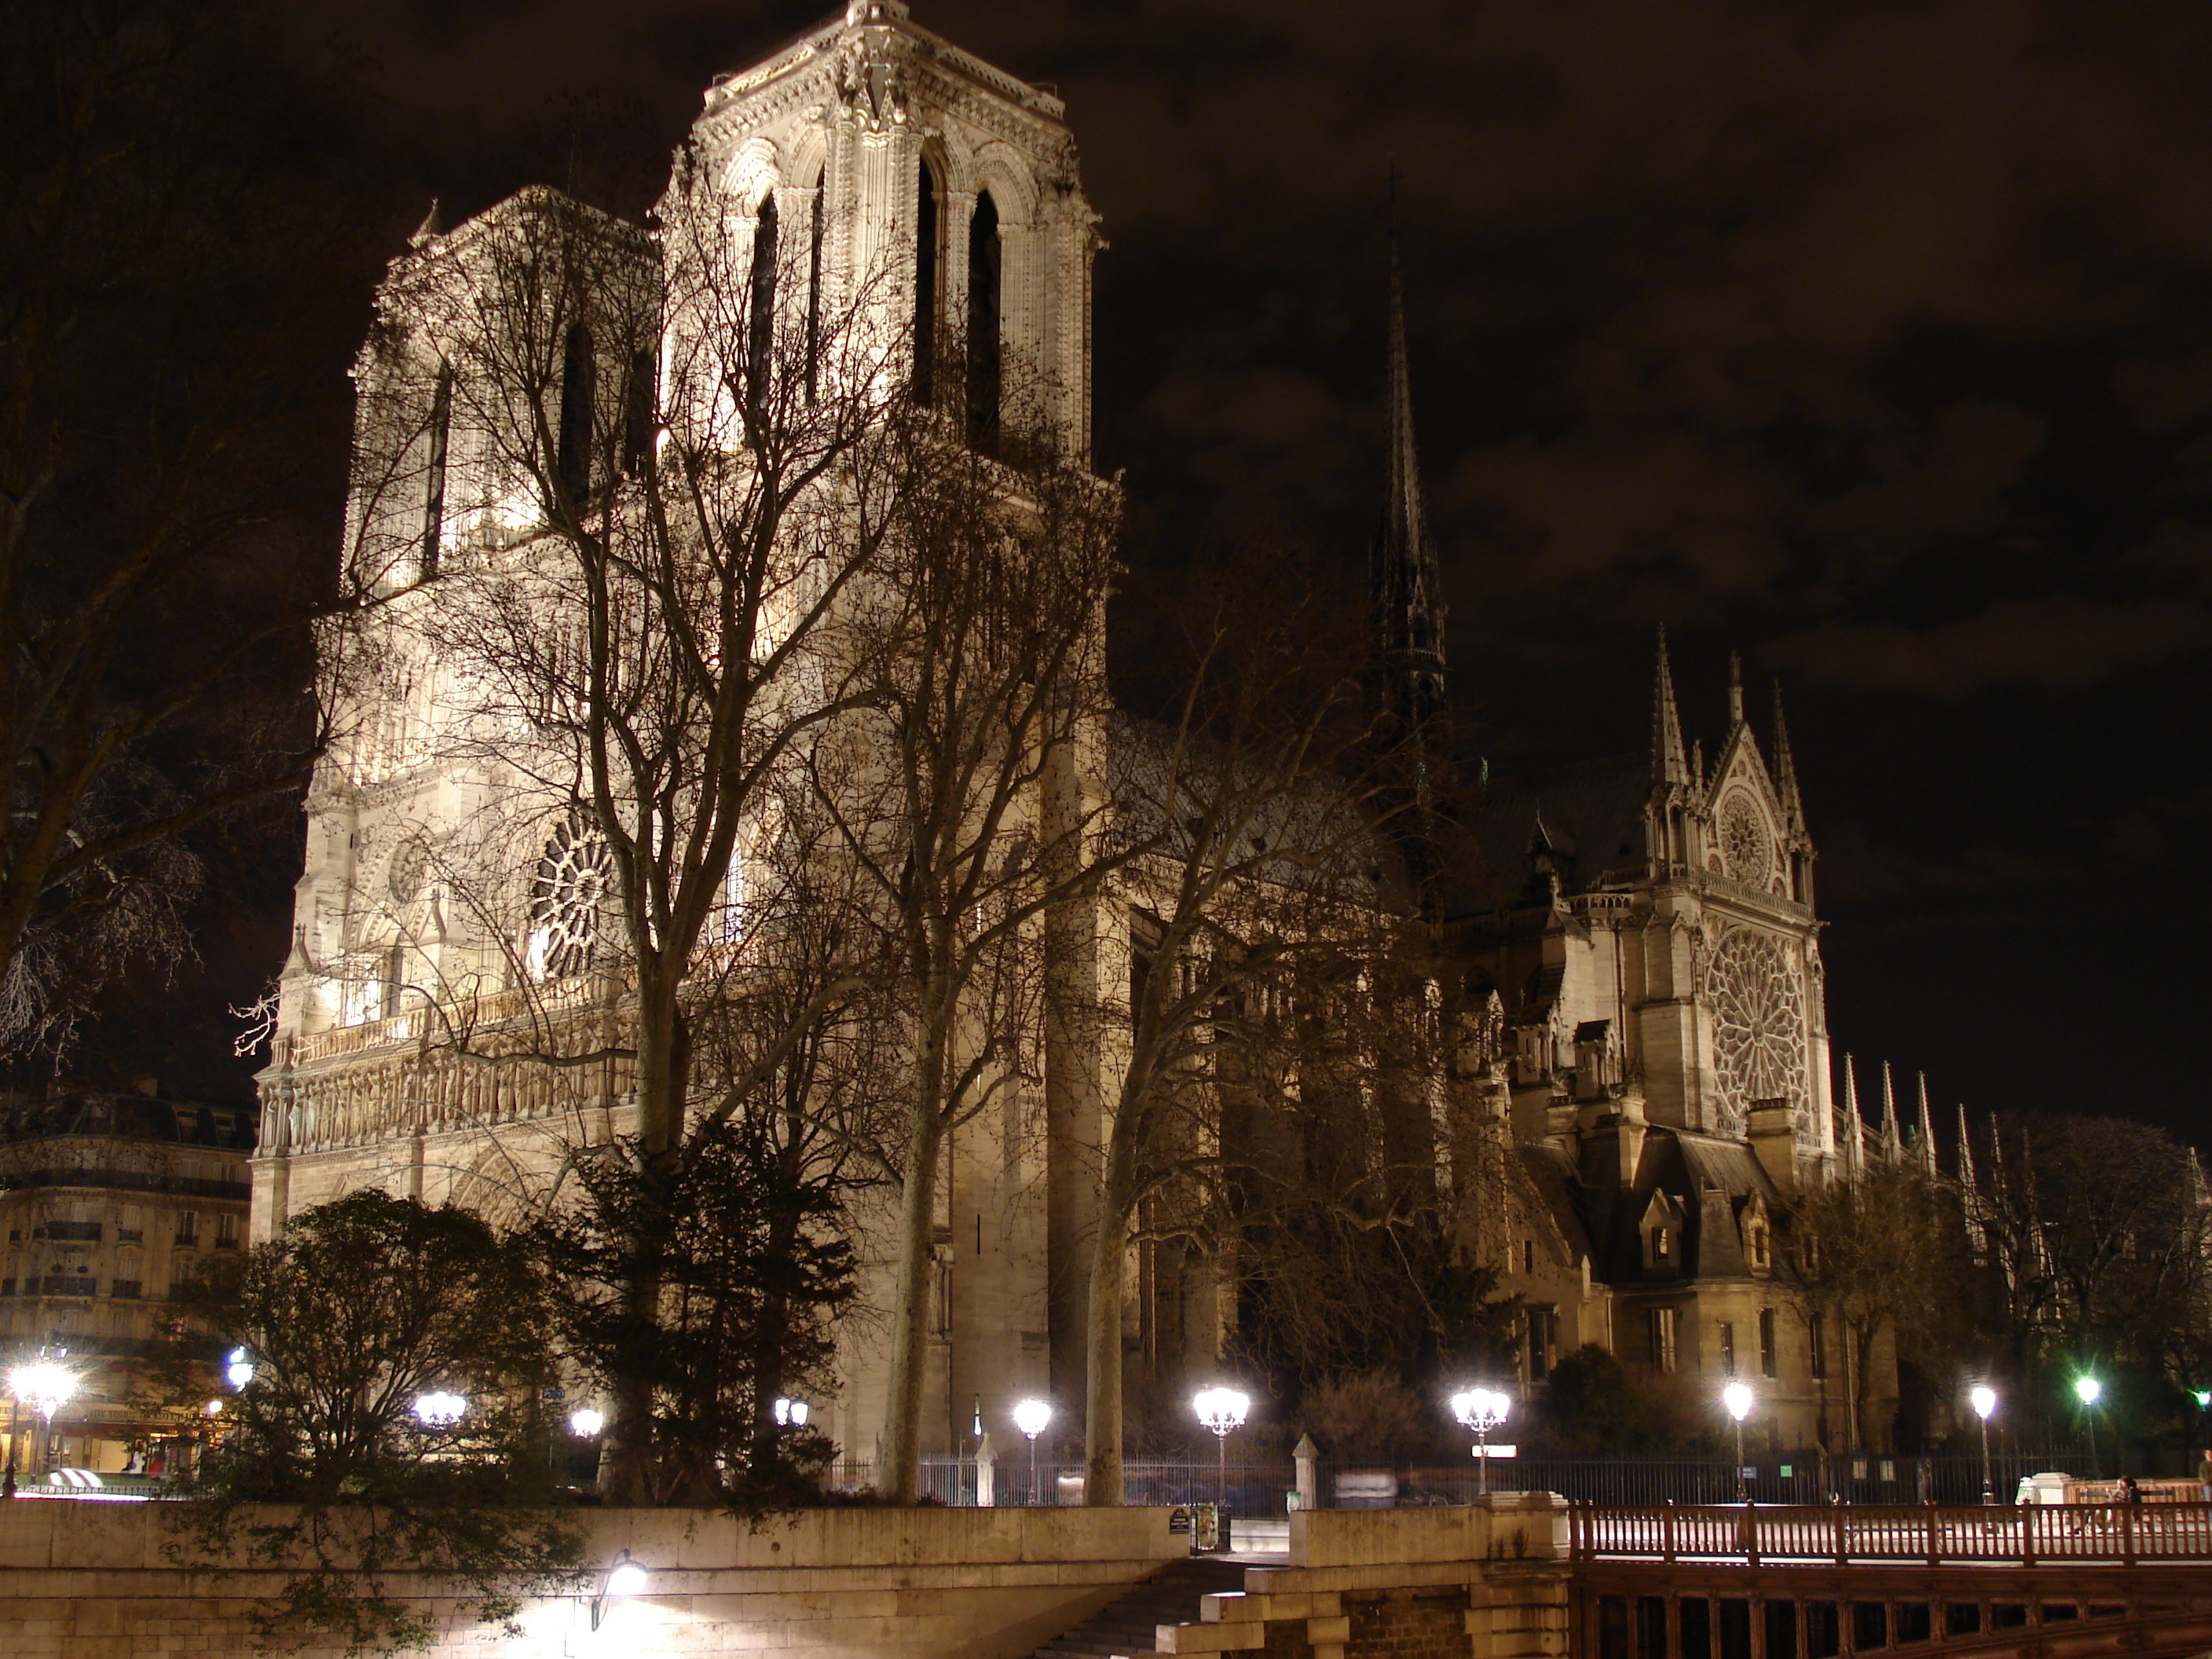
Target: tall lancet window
925 287
814 290
434 478
639 398
984 367
760 324
579 387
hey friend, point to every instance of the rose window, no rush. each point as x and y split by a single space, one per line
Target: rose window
1744 843
564 901
1757 996
410 862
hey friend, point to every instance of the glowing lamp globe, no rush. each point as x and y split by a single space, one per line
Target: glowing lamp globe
2089 1389
586 1420
439 1409
1032 1416
1737 1397
43 1386
1985 1401
1481 1409
1222 1409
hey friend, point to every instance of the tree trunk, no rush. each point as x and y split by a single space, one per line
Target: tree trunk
1102 1403
900 1477
626 1453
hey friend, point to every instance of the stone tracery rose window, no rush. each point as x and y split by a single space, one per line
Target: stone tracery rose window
1757 996
565 897
1745 844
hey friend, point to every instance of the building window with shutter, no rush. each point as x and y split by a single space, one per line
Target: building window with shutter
1768 1360
1727 1349
1816 1341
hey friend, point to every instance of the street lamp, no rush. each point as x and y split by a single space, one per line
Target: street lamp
1032 1418
439 1409
791 1413
1481 1410
1737 1397
47 1387
1223 1411
1985 1402
2088 1390
623 1576
586 1421
238 1369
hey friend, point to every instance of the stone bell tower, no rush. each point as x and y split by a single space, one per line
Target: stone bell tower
880 187
927 188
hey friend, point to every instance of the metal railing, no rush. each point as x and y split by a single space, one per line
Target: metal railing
1929 1534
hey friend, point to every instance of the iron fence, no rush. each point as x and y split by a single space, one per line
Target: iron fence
1262 1490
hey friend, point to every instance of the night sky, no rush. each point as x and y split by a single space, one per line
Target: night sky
1874 341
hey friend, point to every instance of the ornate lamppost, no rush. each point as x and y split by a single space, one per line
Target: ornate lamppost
1481 1410
1985 1402
1032 1418
1737 1397
46 1386
1223 1411
2088 1390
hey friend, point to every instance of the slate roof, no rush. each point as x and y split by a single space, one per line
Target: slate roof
1594 814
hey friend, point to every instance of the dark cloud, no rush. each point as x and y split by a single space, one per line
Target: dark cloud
1875 339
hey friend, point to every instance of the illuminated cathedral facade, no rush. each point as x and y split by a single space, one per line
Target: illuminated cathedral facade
1641 948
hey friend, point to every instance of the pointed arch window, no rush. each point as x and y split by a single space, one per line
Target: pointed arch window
640 398
434 481
814 289
760 323
578 388
984 362
925 286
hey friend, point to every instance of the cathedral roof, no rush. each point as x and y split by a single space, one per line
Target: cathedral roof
1586 820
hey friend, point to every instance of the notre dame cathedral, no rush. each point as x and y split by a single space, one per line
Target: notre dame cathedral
1650 1019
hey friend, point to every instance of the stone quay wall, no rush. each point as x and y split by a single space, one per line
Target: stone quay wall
1490 1581
91 1581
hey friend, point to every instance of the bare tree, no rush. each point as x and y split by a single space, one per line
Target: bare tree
1874 1255
620 486
1255 818
963 790
163 254
2098 1238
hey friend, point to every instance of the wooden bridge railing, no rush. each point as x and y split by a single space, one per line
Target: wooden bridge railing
2030 1535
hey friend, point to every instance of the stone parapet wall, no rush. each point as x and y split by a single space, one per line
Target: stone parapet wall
1489 1580
92 1581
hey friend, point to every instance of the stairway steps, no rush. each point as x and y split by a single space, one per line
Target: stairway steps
1130 1625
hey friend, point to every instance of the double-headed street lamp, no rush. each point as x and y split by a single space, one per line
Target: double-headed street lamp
1481 1410
1985 1402
1737 1397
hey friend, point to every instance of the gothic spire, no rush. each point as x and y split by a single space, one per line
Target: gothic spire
1926 1133
1409 611
1670 764
1965 1154
1893 1147
1785 771
1735 690
1854 1147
